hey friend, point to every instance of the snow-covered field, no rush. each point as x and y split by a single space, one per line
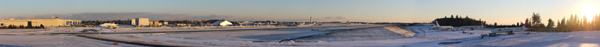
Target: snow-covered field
209 28
55 41
25 37
229 38
318 35
379 33
332 36
535 39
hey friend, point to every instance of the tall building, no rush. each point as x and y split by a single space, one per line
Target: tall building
37 22
132 21
139 21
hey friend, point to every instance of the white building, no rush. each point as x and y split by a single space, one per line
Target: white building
132 21
222 23
139 21
165 23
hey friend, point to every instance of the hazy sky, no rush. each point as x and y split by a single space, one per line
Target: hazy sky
501 11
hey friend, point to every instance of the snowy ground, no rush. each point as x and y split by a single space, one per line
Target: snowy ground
40 38
320 35
167 29
227 38
377 36
535 39
55 41
358 35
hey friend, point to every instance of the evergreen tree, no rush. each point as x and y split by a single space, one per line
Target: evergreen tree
576 23
10 26
456 17
41 26
536 20
445 16
558 24
597 23
522 24
495 24
592 24
584 24
561 24
21 26
457 21
570 23
550 23
451 16
518 24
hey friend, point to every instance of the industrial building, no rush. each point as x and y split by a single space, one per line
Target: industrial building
157 23
37 22
222 23
139 21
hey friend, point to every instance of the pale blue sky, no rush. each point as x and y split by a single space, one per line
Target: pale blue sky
501 11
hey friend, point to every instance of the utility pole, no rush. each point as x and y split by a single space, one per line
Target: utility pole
310 19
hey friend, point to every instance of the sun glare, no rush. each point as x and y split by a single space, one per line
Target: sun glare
589 11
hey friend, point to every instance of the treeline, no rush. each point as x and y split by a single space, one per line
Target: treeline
574 23
579 24
457 21
22 27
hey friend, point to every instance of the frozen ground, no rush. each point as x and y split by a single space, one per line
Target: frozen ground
341 36
379 33
227 38
39 38
54 41
535 39
59 30
378 36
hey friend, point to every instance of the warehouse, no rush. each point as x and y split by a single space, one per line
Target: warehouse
37 22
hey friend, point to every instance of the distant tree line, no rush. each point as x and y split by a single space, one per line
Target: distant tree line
22 27
457 21
574 23
577 24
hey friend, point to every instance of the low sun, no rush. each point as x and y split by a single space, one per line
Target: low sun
589 11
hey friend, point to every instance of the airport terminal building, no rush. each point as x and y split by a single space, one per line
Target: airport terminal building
139 21
37 22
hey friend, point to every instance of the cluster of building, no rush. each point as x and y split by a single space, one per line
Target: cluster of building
48 22
147 22
142 22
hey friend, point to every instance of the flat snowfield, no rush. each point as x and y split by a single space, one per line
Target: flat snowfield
376 36
534 39
240 38
55 41
318 35
537 39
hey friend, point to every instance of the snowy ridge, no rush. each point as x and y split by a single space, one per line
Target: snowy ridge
399 30
360 34
233 38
